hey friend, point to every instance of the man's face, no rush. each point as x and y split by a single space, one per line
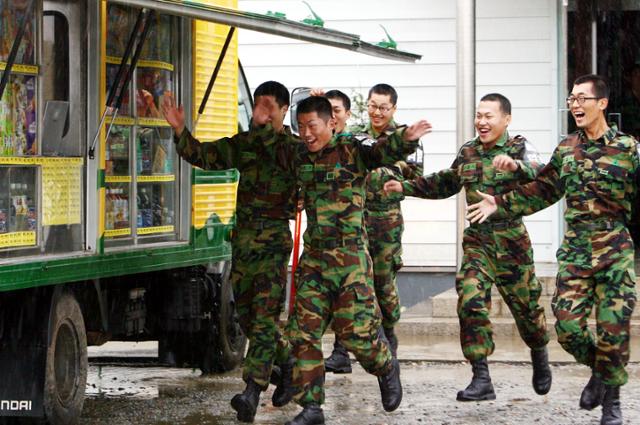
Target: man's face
314 131
591 110
380 110
340 114
491 122
266 110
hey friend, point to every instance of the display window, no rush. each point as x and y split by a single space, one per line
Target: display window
141 159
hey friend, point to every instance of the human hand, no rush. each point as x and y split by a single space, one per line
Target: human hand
174 115
317 91
481 211
505 163
417 130
393 186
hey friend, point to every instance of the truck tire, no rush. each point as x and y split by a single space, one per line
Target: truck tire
227 342
66 361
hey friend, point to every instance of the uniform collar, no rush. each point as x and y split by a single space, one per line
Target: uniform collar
267 134
608 136
502 140
332 144
389 129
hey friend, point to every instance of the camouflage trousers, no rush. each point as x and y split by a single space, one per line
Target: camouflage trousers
595 269
259 277
503 257
334 283
384 232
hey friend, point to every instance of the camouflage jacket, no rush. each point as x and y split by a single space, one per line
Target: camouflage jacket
473 169
598 178
263 157
376 199
333 185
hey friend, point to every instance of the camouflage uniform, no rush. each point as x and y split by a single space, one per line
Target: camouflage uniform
384 226
497 251
595 262
335 268
262 241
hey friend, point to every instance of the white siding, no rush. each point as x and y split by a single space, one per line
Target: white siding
516 51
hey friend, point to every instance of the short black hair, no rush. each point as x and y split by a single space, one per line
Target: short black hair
384 89
318 104
600 85
275 89
337 94
505 104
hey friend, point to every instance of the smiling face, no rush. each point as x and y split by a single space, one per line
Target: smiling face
340 114
266 110
590 113
491 122
381 110
315 132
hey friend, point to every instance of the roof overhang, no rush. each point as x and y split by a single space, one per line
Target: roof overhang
271 25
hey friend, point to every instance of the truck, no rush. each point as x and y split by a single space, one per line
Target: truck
105 234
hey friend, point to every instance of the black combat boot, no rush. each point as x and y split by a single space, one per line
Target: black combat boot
284 391
393 341
541 371
391 387
246 403
592 394
480 387
338 361
611 413
310 415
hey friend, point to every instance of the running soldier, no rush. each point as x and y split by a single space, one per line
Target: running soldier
335 268
262 241
596 169
383 221
496 252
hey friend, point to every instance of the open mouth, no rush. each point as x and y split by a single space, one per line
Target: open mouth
484 131
578 114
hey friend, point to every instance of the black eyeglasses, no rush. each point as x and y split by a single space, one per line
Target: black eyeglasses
580 99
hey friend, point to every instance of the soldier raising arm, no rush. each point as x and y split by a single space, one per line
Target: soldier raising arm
334 272
262 241
596 170
496 252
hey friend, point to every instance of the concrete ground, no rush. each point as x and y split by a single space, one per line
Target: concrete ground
163 396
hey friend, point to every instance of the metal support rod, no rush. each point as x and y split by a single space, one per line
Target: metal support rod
465 96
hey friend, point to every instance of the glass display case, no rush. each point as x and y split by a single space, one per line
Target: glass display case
141 160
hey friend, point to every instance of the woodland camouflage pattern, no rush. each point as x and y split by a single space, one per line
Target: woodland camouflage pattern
599 179
384 226
335 274
497 251
262 241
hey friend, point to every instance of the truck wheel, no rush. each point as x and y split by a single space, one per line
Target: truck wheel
227 345
66 364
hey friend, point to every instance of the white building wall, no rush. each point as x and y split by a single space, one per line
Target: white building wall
516 52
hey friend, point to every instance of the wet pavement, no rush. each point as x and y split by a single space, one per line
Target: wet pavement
119 395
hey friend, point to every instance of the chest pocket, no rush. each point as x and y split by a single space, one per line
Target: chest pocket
470 173
611 179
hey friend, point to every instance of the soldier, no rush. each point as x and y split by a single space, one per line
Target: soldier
262 241
335 268
383 221
596 169
496 252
